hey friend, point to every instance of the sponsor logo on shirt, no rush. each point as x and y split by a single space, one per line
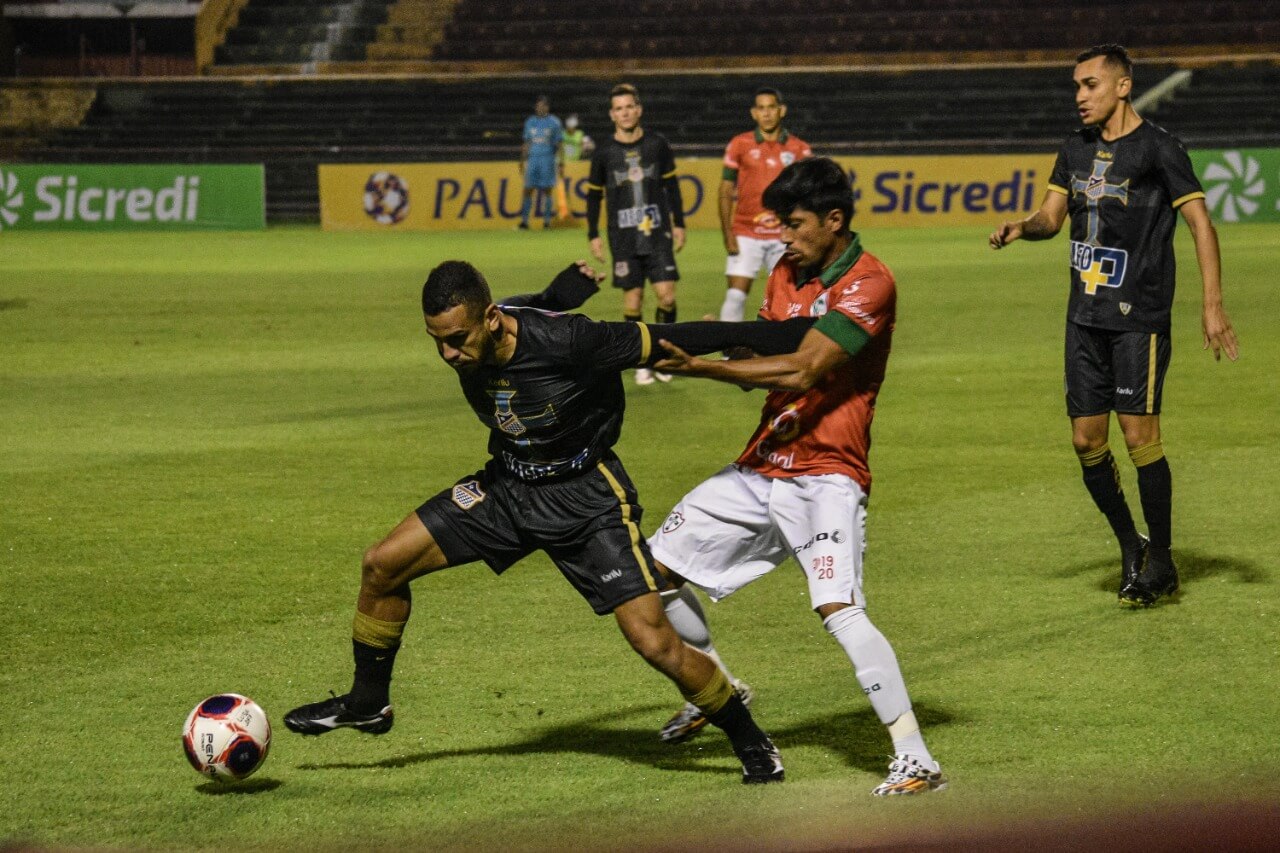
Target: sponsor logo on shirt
645 217
1099 266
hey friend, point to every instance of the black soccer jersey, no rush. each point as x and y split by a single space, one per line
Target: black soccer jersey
1123 198
631 176
556 407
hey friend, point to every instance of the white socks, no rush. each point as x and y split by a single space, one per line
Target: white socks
684 611
734 306
876 668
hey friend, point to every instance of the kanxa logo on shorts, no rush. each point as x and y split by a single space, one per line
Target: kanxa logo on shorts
468 494
836 536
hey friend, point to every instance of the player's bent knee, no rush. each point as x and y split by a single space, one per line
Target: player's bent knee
380 574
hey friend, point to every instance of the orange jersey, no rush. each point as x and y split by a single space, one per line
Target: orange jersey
752 162
827 429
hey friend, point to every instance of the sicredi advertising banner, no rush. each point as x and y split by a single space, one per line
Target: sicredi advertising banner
123 197
1240 185
959 190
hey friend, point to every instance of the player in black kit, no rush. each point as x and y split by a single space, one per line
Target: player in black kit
1123 180
548 387
645 218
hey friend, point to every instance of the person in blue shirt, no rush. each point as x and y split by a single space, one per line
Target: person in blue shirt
541 161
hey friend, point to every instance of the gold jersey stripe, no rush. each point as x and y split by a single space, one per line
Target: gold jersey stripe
1057 189
646 342
592 186
1151 376
1181 200
629 524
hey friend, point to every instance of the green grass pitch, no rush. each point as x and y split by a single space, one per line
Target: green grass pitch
201 434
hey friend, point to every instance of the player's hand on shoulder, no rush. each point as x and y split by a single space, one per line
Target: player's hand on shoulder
1218 334
1005 234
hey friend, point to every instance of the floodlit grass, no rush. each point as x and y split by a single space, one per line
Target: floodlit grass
202 433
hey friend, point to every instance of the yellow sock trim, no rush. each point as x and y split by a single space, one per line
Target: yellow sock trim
713 696
375 632
1094 457
1147 453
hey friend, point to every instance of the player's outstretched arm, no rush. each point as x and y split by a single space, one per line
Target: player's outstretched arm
1214 322
706 336
797 371
571 287
1041 225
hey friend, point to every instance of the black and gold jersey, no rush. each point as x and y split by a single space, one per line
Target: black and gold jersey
1123 198
556 407
633 178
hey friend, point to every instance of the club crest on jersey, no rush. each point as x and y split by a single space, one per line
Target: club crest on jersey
468 494
819 306
1098 266
1125 308
787 158
673 522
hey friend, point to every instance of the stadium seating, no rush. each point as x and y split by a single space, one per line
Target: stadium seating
292 125
1237 101
540 30
296 31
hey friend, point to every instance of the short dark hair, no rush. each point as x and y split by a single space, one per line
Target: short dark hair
767 90
454 283
624 89
542 99
818 185
1116 55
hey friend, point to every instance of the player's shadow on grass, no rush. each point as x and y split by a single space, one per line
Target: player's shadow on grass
1192 566
857 736
223 789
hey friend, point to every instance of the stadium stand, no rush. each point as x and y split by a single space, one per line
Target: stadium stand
302 32
97 38
294 124
291 123
481 36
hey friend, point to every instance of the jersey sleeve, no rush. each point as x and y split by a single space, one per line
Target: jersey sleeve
666 161
527 136
1178 174
862 310
732 160
1060 178
599 168
599 347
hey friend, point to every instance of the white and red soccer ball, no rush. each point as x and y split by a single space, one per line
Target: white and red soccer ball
226 737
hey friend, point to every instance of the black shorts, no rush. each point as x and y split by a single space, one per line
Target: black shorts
588 525
631 272
1114 371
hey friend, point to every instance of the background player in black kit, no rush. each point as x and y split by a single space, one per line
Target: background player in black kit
645 213
548 386
1123 180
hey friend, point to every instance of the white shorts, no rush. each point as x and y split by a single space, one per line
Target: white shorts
738 525
753 255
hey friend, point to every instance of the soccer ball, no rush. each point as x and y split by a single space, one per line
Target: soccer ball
226 737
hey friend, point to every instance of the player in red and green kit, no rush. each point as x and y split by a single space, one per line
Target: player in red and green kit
800 487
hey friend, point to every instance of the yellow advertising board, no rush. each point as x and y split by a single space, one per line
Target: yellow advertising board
888 191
